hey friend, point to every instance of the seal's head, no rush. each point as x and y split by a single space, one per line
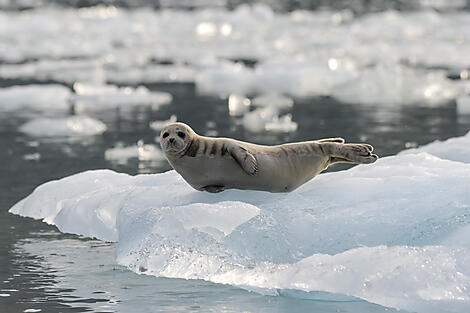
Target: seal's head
176 138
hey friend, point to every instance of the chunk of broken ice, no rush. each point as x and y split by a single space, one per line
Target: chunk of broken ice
63 127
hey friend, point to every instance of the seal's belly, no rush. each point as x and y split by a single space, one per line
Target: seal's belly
274 174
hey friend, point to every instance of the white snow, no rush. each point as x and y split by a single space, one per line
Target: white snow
35 98
374 232
63 126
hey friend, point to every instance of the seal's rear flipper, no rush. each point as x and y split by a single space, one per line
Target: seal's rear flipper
245 159
338 140
351 153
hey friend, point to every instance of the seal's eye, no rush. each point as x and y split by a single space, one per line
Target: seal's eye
165 135
181 135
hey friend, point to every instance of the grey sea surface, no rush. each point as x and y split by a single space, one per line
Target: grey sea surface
43 270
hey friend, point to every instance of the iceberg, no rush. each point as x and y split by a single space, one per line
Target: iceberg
70 126
373 232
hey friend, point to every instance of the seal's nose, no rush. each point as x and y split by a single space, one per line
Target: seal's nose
171 140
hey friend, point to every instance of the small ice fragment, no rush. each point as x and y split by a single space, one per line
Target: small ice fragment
238 104
4 294
463 105
143 152
32 310
63 127
33 144
35 98
159 125
211 133
211 124
226 29
255 121
273 99
206 29
32 157
283 124
95 97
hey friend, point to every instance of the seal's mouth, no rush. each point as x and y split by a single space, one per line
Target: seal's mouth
172 146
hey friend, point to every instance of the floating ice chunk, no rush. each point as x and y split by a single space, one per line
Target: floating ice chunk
32 156
397 86
238 104
35 97
303 77
443 4
384 230
63 127
463 105
283 124
151 73
68 71
140 151
226 79
455 149
255 121
101 97
159 125
273 99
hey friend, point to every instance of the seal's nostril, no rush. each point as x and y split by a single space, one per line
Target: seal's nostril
171 140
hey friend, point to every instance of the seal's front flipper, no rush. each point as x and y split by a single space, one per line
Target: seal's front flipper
245 159
213 189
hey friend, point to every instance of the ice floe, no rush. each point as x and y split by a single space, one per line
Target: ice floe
159 125
142 152
463 105
70 126
456 149
273 99
299 53
238 104
397 86
92 97
39 98
373 232
87 97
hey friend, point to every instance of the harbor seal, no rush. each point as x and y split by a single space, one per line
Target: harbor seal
215 164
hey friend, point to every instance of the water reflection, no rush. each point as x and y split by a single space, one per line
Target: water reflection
81 275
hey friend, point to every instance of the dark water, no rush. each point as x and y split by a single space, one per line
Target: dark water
42 269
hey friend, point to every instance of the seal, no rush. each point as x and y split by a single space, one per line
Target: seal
215 164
